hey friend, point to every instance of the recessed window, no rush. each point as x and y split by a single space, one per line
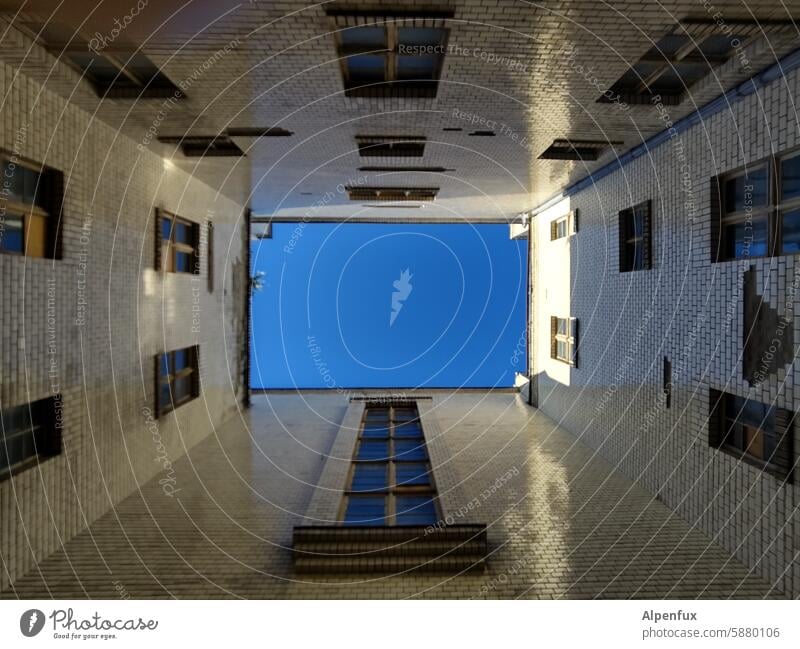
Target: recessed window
390 146
756 211
384 56
390 481
210 256
758 433
29 433
392 193
564 340
178 378
118 74
482 134
635 234
584 150
564 226
202 146
178 244
32 200
675 63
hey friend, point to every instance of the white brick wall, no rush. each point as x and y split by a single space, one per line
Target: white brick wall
105 366
687 309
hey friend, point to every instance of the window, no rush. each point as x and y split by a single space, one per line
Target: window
210 255
405 169
564 226
178 379
390 146
178 244
756 210
121 74
392 193
582 150
759 434
32 199
395 56
390 481
677 61
203 146
635 234
30 433
564 340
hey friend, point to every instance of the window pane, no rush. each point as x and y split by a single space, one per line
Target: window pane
754 442
561 327
411 474
376 430
746 239
410 36
746 190
11 239
790 178
373 450
164 396
409 450
377 413
668 45
180 359
183 233
411 429
561 350
404 414
371 37
15 420
718 45
791 231
637 255
96 67
416 67
166 227
415 510
367 68
369 510
370 477
163 364
183 262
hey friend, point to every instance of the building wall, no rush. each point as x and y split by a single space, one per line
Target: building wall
88 326
689 310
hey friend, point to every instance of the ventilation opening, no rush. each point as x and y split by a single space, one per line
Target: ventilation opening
193 146
269 131
392 193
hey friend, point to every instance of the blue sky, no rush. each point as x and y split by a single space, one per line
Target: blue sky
336 310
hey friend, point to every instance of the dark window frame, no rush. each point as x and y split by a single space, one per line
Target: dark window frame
191 370
631 241
44 429
391 146
170 247
391 491
773 210
726 415
49 185
564 334
644 89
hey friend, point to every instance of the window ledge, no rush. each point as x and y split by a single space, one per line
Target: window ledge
344 549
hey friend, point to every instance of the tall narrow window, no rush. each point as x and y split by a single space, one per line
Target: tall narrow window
635 228
33 196
178 244
29 433
178 378
564 340
756 432
390 481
